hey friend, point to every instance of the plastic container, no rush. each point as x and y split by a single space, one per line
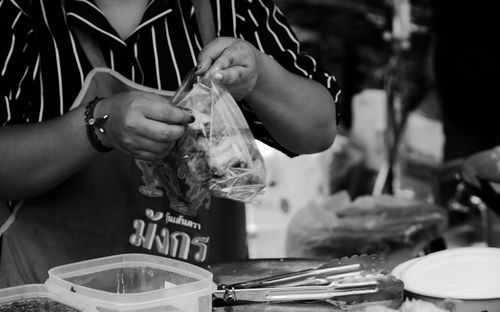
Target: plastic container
136 282
37 297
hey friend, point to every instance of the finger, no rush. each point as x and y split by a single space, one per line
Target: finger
227 59
146 148
146 155
230 75
212 52
471 178
166 113
156 154
143 155
160 132
155 97
238 53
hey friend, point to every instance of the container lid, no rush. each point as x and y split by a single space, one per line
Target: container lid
131 279
37 297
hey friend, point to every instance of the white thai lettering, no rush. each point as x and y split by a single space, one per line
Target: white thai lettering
181 249
150 236
202 244
137 238
162 241
197 226
176 245
154 216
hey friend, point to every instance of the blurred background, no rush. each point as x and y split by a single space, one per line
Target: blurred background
391 150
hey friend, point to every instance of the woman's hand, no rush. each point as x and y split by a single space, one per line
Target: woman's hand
298 112
142 125
232 62
482 166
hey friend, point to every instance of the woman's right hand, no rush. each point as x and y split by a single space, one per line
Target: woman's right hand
142 125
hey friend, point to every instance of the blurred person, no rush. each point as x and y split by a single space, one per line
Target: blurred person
467 74
79 185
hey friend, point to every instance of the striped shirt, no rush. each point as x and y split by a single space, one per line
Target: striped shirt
43 66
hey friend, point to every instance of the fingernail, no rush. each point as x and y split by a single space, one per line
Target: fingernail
191 119
217 76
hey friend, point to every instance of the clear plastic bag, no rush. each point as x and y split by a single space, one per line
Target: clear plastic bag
218 148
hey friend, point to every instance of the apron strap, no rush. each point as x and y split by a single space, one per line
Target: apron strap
12 217
205 19
92 50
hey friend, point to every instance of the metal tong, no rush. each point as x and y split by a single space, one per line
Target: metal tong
296 293
329 281
318 276
185 86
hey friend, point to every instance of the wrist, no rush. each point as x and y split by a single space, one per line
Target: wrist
102 109
261 63
262 83
95 126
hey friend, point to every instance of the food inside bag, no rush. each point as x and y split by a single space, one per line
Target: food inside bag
218 148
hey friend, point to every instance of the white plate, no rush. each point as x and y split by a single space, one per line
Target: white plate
399 269
469 273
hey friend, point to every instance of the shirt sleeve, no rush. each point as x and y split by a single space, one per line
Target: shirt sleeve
262 23
16 63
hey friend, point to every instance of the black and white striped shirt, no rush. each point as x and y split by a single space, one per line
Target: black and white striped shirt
43 66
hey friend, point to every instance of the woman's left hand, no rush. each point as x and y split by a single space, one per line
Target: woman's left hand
233 63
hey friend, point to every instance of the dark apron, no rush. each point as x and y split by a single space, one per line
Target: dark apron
118 204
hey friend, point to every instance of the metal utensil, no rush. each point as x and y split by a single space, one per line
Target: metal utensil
290 279
302 293
336 267
323 281
186 83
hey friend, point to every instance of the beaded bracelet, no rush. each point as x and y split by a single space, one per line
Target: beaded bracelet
93 124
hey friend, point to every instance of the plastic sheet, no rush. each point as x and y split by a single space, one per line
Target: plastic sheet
395 228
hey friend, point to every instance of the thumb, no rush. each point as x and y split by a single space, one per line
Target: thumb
210 53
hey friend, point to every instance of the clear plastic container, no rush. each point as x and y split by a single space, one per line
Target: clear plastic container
37 297
136 282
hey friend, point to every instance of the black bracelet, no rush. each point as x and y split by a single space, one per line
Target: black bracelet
93 124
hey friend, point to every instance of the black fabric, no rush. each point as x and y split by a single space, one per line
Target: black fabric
227 231
467 70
